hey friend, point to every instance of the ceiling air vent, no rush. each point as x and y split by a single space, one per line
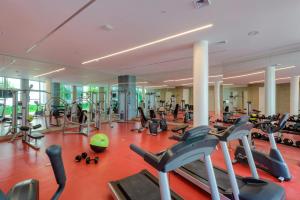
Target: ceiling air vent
201 3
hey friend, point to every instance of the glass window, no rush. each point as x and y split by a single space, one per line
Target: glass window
13 83
43 93
35 85
79 91
35 101
66 92
1 82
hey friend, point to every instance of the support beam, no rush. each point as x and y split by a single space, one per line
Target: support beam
127 96
217 99
200 83
25 100
74 93
270 91
55 87
294 95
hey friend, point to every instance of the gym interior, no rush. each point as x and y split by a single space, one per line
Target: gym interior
149 100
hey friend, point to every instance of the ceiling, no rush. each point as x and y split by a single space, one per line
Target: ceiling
135 22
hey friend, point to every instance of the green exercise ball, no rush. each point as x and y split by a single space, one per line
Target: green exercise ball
29 118
99 142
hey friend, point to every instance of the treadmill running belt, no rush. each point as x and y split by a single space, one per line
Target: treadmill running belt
197 169
140 186
136 190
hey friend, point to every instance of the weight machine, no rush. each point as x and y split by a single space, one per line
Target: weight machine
75 115
54 107
25 127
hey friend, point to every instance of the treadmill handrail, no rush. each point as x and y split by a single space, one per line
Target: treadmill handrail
138 150
233 132
180 153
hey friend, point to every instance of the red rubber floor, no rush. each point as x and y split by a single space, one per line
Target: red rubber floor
19 162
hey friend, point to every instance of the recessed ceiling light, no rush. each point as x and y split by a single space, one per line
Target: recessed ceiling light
201 3
253 33
150 43
12 62
163 11
107 27
221 42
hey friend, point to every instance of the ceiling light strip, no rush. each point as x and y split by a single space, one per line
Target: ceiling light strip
244 75
278 79
216 76
157 86
149 44
190 78
208 83
259 72
52 72
283 68
59 26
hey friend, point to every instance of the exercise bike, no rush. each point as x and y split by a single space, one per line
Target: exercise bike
273 162
29 189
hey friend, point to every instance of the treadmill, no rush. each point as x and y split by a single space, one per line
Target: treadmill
195 143
231 186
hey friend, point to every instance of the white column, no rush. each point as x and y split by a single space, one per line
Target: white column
48 88
200 83
217 99
270 91
294 95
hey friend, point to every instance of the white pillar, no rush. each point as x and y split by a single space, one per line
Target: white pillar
294 95
217 99
200 83
270 91
48 88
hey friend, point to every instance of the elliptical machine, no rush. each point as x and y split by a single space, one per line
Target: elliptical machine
273 162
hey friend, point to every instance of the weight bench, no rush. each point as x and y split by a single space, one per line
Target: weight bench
28 136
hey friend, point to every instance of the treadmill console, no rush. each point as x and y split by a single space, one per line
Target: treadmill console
197 132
